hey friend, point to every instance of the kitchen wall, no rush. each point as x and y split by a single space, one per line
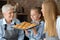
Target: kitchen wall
27 4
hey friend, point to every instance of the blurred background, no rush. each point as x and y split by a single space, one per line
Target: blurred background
23 7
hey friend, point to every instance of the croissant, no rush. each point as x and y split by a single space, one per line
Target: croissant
22 24
26 25
16 26
33 25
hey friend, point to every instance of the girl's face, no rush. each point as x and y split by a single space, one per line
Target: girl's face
35 15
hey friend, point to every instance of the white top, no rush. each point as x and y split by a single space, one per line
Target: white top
58 26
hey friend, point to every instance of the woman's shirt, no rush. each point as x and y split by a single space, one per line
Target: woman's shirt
58 26
4 26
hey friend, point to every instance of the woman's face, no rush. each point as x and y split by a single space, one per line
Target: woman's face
46 11
43 10
35 15
9 15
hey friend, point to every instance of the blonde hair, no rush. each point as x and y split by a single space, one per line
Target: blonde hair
50 17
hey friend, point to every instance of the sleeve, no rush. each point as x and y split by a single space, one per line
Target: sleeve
29 35
40 31
58 26
17 21
21 35
1 34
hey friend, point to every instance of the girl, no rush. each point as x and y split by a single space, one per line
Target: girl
36 32
49 10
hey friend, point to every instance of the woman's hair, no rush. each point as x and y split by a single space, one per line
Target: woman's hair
39 11
7 7
50 17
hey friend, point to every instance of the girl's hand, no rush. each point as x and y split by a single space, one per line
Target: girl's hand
34 31
44 38
26 32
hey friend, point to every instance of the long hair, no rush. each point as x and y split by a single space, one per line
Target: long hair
50 17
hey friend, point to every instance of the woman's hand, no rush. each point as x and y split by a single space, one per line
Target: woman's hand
34 31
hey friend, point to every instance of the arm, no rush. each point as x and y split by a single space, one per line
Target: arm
58 26
1 34
39 33
27 34
34 31
21 35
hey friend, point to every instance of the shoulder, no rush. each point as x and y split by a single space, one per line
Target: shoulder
58 21
42 22
16 20
1 21
58 18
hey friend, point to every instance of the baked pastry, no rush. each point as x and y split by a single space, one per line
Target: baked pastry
32 25
21 25
16 26
24 25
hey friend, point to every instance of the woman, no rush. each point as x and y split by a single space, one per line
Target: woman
36 32
49 10
7 32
